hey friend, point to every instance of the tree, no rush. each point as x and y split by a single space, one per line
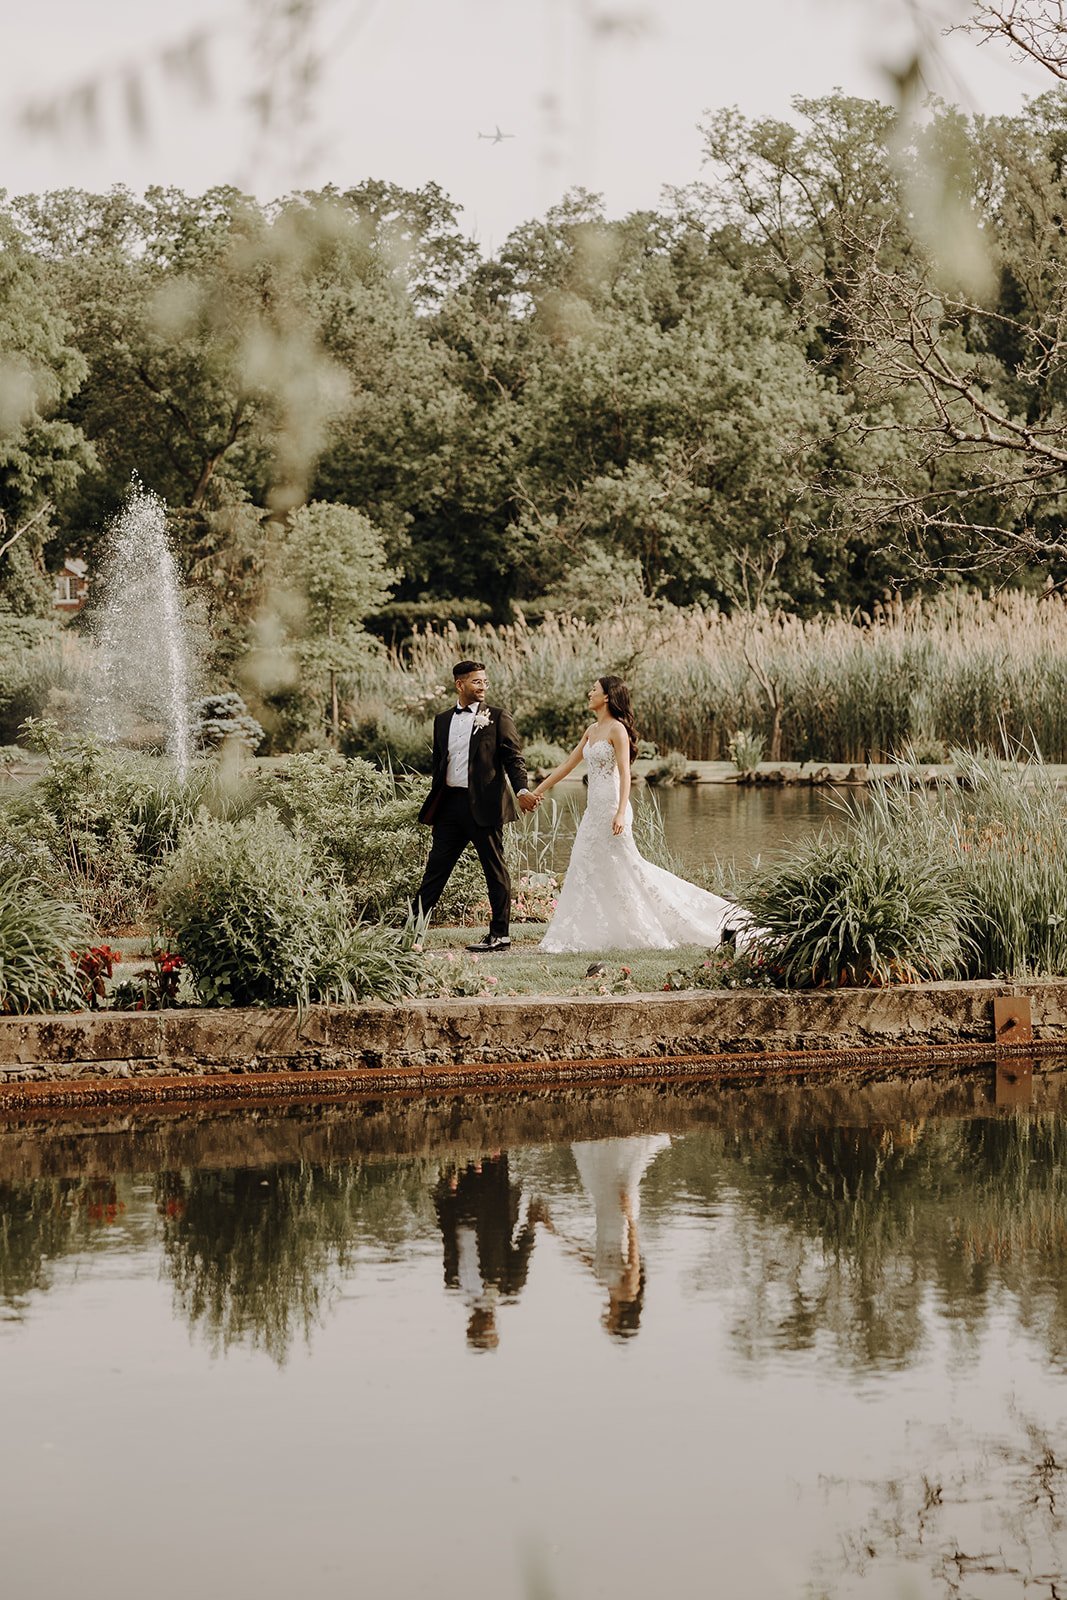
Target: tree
685 443
973 384
414 235
42 454
195 319
784 202
331 569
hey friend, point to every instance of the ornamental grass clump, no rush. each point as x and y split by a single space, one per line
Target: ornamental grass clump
256 924
881 904
38 931
1008 839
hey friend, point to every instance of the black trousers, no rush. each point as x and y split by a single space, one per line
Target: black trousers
453 830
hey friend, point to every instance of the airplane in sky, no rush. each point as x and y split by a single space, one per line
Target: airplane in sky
497 137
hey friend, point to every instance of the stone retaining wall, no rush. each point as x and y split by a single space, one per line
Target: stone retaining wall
527 1031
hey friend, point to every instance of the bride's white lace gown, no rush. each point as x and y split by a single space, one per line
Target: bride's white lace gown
612 898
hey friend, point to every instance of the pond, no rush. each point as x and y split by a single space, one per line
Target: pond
750 1343
728 822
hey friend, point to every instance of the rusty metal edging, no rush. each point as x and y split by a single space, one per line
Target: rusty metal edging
344 1082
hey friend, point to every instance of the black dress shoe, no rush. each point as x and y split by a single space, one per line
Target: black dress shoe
493 943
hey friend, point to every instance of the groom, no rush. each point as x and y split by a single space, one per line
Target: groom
475 748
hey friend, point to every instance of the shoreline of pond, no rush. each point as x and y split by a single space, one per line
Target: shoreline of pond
814 772
427 1046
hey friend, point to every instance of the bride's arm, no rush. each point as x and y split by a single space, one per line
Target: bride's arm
620 740
563 768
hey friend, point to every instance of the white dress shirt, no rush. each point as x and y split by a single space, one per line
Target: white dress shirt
460 730
459 745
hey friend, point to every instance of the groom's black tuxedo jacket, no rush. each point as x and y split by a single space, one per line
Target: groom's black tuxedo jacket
495 756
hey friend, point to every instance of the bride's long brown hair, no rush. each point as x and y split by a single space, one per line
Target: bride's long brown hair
621 709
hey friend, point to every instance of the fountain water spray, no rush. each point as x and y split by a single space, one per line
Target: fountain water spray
143 681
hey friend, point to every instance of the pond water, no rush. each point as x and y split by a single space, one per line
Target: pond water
726 822
805 1342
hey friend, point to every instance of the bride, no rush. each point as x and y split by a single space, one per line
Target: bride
612 898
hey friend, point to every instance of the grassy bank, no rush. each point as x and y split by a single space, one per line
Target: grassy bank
959 671
448 968
291 885
526 969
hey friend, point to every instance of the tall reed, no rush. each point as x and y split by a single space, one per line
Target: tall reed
923 885
957 670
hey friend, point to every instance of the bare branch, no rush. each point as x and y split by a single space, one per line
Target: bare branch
1035 29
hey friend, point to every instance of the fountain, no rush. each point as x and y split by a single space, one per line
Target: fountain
142 674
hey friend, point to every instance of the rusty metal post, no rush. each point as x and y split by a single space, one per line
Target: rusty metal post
1012 1022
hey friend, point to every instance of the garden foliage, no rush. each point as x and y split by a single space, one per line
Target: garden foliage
924 885
257 925
855 911
360 825
221 719
38 931
100 819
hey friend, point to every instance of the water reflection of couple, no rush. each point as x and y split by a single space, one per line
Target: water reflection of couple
486 1260
487 1252
611 1171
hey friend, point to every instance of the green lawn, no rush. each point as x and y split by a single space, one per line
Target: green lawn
524 969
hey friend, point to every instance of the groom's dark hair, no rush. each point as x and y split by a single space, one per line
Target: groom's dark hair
461 668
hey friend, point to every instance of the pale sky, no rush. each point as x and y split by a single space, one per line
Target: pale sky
606 93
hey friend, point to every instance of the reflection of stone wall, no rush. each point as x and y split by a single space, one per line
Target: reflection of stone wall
452 1127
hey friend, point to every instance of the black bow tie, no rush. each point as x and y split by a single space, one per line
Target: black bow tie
461 709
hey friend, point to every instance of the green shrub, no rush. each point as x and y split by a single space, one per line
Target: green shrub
542 756
1007 835
256 924
926 885
320 788
362 824
745 750
38 932
391 739
219 719
883 904
105 816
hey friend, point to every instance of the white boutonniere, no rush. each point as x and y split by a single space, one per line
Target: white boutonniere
482 718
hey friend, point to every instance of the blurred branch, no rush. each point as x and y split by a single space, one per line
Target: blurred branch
22 528
75 111
278 41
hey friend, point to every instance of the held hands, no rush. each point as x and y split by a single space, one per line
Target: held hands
528 801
